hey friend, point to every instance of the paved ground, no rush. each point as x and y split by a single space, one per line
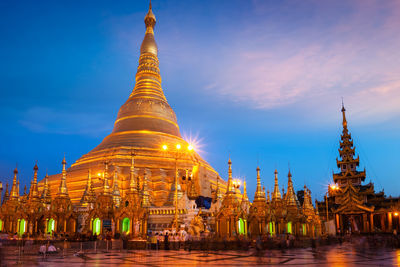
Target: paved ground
345 255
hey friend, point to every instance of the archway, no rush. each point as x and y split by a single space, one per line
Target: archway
126 225
241 229
289 227
50 226
96 226
22 227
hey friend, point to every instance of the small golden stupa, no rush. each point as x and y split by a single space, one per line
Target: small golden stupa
146 137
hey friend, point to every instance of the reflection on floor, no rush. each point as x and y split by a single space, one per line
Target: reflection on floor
345 255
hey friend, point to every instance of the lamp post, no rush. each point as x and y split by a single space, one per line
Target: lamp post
178 148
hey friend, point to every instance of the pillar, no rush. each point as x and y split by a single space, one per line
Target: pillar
383 228
371 222
65 225
389 221
365 226
337 223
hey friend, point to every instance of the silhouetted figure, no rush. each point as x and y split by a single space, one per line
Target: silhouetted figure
166 242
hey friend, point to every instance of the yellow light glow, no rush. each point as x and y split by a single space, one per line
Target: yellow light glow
190 147
165 147
178 146
98 174
396 214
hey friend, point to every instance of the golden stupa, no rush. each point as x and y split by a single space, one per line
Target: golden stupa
144 126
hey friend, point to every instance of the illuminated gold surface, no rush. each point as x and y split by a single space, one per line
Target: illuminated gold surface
144 123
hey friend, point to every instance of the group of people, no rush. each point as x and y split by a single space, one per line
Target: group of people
169 240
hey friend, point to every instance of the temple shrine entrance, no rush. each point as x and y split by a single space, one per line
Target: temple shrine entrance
126 225
50 226
96 226
352 223
22 227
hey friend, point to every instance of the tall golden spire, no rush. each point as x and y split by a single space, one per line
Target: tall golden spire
291 198
62 190
116 193
230 182
276 195
6 195
33 190
106 186
89 196
344 122
14 194
46 194
245 197
259 195
132 180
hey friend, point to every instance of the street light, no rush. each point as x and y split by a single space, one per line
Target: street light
178 149
236 183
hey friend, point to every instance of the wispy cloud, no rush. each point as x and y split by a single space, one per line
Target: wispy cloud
354 54
55 121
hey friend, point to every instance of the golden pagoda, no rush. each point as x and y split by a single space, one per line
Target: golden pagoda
145 125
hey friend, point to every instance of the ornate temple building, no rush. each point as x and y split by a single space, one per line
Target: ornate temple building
282 214
351 205
144 177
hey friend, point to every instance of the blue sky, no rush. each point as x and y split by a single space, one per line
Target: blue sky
259 80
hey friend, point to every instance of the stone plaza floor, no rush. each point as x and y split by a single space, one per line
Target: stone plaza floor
344 255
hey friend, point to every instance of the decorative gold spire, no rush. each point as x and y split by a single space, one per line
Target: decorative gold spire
33 190
46 194
219 195
116 193
230 182
150 20
344 122
259 195
244 196
106 186
14 189
276 195
145 192
89 196
62 190
291 198
132 180
6 194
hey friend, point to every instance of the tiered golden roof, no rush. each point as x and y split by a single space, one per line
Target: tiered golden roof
145 122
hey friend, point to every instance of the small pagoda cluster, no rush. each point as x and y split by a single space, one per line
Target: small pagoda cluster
39 213
351 206
283 214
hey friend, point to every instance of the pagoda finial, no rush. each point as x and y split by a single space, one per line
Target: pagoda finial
245 197
33 190
258 195
14 194
344 116
46 195
149 44
62 189
116 193
132 180
89 196
6 194
291 198
230 183
276 195
106 186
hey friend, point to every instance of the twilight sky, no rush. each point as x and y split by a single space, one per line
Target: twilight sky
259 80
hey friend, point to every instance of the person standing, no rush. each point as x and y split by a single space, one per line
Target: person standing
166 242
